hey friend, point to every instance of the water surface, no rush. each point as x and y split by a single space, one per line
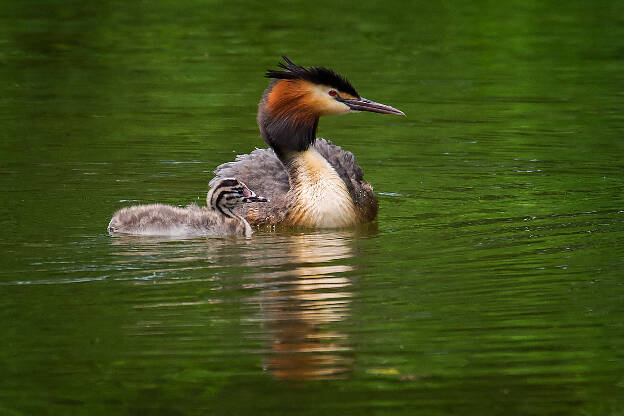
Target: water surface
491 282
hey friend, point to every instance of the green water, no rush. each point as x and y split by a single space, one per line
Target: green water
491 283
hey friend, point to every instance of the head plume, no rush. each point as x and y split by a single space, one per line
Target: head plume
316 75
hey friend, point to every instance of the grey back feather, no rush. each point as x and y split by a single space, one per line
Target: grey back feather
260 170
160 219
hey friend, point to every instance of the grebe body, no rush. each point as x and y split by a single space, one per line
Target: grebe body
217 219
310 182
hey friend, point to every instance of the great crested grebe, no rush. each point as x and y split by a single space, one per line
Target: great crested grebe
215 220
310 182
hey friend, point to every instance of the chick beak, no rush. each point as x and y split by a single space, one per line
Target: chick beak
250 196
362 104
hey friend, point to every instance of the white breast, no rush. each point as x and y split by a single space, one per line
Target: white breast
322 197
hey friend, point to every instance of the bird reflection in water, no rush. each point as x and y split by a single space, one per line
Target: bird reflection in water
299 306
302 285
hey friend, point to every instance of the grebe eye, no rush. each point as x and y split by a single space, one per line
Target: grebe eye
333 93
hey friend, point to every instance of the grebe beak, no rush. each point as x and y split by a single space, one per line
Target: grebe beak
362 104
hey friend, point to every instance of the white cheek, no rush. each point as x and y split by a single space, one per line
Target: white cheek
328 104
336 107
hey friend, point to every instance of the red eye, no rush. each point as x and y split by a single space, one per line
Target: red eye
333 93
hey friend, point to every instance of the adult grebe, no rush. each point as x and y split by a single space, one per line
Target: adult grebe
310 182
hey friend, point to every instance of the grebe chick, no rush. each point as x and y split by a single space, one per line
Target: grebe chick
310 182
215 220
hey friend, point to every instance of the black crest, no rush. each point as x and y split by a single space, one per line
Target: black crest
316 75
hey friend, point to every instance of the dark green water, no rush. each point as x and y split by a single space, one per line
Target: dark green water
491 284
